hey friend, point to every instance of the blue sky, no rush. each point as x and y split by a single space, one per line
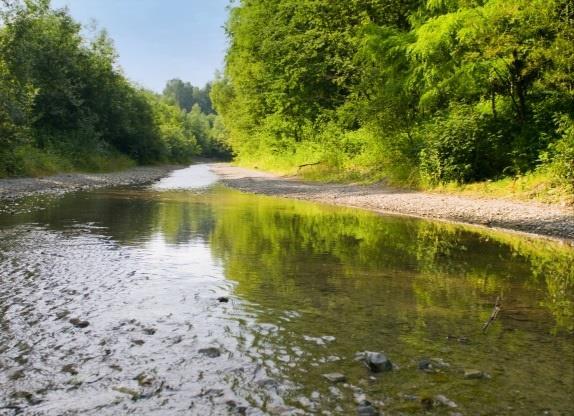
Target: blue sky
158 40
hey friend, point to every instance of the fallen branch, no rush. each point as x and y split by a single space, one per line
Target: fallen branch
494 314
309 164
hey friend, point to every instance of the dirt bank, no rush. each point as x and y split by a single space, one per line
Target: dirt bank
11 189
533 218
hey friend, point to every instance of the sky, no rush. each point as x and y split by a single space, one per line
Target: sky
158 40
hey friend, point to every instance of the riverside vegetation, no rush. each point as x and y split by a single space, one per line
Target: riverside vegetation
66 105
429 94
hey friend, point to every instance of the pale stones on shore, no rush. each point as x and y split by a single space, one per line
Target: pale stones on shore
335 377
473 374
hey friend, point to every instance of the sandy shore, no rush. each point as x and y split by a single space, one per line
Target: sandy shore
11 189
532 218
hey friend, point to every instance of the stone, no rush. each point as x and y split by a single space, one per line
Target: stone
445 401
376 362
365 408
150 331
427 403
70 369
78 323
473 374
424 364
144 379
223 299
268 383
125 390
62 314
210 352
335 377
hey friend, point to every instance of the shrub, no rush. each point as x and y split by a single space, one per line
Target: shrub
462 146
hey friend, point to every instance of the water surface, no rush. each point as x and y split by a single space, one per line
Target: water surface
309 286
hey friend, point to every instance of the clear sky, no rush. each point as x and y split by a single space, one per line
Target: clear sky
158 40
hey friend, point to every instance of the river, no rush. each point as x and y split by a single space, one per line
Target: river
187 297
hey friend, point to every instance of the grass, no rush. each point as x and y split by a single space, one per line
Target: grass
536 186
539 186
33 162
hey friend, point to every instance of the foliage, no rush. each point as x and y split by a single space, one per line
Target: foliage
65 102
561 161
185 95
418 92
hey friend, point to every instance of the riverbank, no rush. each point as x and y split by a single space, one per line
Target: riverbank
11 189
533 218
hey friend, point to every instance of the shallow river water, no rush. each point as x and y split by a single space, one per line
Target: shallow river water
113 302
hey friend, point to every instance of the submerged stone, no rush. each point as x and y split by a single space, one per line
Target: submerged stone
70 369
427 403
445 401
376 362
473 374
335 377
78 323
424 364
150 331
365 408
210 352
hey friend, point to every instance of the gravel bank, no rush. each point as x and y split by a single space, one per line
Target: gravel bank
11 189
532 218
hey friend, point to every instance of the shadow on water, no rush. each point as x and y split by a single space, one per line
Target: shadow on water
109 304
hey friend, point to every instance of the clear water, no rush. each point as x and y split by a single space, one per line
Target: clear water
309 286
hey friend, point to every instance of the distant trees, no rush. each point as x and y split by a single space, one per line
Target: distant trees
186 95
200 118
419 92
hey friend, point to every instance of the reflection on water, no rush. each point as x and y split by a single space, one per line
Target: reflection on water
309 286
194 177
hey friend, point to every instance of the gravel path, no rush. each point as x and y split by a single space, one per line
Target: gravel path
533 218
11 189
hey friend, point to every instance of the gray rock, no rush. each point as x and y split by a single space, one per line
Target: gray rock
473 374
365 408
210 352
149 331
425 364
78 323
335 377
376 362
70 369
445 401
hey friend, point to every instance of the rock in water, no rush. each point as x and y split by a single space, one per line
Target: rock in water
427 403
365 408
223 299
78 323
445 401
376 362
70 369
335 377
424 364
149 331
210 352
474 374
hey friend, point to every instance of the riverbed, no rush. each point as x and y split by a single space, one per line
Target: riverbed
189 297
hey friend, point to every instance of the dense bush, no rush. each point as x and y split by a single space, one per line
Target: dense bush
419 92
461 146
561 161
65 104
